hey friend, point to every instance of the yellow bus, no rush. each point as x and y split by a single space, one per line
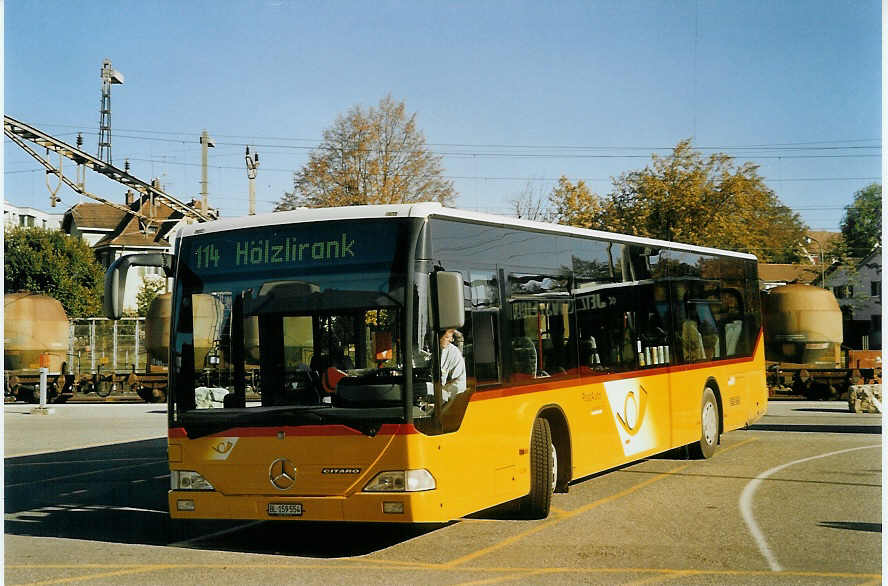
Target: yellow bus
320 394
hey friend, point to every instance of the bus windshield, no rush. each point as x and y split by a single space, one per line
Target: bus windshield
301 342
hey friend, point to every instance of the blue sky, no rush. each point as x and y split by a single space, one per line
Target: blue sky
513 94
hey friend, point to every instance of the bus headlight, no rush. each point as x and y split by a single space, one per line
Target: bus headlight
401 481
188 480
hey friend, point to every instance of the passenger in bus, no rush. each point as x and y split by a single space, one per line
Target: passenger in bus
453 366
339 358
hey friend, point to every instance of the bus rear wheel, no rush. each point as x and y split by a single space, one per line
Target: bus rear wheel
543 473
709 425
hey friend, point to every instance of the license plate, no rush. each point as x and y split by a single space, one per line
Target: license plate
285 509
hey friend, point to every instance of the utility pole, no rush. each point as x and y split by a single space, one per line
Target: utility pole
109 76
205 143
81 168
808 240
252 166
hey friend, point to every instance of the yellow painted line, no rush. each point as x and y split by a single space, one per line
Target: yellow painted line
734 446
559 512
398 564
568 515
512 576
139 570
575 512
663 577
505 543
513 573
340 565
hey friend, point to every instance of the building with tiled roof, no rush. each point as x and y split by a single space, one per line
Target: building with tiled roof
112 233
775 275
91 221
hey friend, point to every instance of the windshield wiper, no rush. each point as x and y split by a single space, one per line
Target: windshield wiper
204 422
366 421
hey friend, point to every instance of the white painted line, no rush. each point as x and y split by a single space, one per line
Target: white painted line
749 492
66 462
101 471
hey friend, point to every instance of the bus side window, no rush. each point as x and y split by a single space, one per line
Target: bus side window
739 307
480 332
607 332
559 342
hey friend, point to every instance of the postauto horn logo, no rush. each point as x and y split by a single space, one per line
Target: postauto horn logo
628 402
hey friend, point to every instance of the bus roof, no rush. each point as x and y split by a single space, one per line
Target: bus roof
431 210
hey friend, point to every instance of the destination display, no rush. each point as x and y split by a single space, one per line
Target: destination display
294 246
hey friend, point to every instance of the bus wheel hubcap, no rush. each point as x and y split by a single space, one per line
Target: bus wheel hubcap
554 467
710 425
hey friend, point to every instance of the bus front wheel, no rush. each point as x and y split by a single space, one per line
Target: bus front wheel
709 425
543 471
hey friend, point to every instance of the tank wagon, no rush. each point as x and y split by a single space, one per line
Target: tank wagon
803 343
35 331
151 384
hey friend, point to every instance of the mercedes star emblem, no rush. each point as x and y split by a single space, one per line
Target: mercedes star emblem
282 474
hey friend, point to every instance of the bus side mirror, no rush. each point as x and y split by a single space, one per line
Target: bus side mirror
115 278
449 295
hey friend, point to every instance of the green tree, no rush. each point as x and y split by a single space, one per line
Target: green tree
51 262
862 224
685 197
374 156
149 289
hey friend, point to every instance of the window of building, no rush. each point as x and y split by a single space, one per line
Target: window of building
876 288
843 291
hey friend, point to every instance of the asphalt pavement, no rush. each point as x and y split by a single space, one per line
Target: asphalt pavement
796 499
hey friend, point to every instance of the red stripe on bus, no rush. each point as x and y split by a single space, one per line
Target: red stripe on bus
307 430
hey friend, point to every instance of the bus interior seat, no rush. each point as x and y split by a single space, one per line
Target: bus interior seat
524 356
691 341
733 329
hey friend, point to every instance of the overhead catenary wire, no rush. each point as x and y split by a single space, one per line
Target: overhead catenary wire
231 145
314 143
168 161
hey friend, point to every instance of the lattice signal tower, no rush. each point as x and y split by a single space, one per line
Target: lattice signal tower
109 76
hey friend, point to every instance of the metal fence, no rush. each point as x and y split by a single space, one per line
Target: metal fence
99 344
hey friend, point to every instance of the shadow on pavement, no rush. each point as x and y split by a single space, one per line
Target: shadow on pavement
875 428
118 493
312 539
821 410
852 525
